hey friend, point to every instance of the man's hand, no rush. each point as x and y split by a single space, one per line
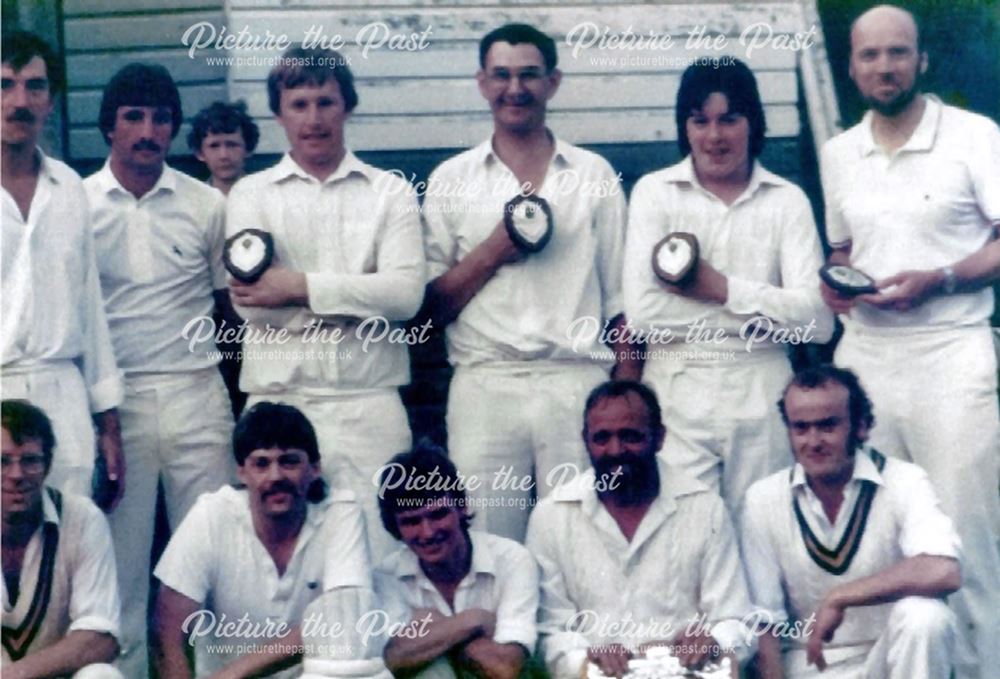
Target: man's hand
278 287
694 650
909 289
828 618
109 446
612 659
838 303
709 285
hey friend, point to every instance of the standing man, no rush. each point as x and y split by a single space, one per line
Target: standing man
848 546
522 328
56 350
473 596
633 553
913 200
159 236
223 136
253 559
60 593
755 278
348 267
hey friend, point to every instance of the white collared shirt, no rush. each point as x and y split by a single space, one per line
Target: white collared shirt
52 304
531 310
927 205
216 559
904 520
765 243
160 258
85 583
597 588
503 578
356 236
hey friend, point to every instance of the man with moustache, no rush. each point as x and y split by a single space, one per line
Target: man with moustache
348 264
261 553
56 349
159 237
851 542
663 539
472 596
60 593
522 368
913 200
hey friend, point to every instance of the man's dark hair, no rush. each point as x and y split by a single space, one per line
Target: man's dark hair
300 66
223 118
27 422
858 404
20 47
732 78
274 425
139 85
619 389
517 34
419 476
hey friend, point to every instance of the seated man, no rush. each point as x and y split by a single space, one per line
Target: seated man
634 553
60 589
244 564
470 598
850 545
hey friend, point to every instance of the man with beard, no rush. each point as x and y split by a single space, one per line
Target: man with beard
56 349
245 563
913 200
159 237
522 370
633 553
60 594
849 547
472 596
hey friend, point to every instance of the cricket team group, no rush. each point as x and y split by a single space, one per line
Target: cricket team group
840 520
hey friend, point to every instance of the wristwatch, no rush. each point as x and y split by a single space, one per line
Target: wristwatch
950 283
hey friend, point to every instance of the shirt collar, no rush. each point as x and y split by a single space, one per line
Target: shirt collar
49 513
864 470
108 182
485 154
349 164
46 168
683 173
923 136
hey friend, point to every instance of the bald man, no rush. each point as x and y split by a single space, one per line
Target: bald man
913 200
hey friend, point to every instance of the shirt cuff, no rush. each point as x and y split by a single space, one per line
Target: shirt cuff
514 633
743 296
94 623
106 394
572 664
733 635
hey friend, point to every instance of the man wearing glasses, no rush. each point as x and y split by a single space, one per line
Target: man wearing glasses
522 374
60 591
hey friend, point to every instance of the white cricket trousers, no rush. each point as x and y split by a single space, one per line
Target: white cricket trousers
935 399
176 428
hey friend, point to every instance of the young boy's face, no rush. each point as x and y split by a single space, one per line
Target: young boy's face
225 154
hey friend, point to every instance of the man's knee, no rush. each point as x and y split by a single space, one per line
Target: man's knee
98 671
922 617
